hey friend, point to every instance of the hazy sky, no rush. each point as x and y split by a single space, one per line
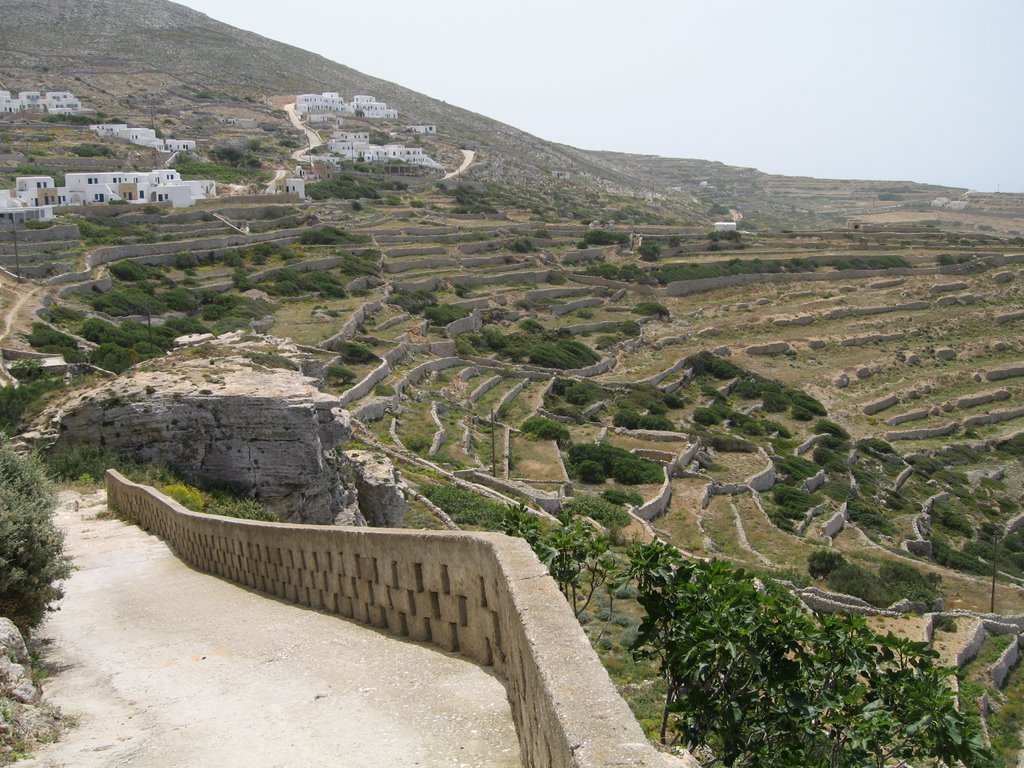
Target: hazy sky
924 90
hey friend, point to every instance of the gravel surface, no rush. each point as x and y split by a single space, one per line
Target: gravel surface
164 666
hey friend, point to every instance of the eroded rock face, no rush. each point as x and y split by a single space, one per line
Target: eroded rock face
379 487
263 431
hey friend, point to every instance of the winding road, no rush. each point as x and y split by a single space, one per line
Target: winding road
468 157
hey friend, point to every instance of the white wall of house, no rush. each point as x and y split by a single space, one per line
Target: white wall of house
367 106
725 226
295 187
430 130
55 102
163 185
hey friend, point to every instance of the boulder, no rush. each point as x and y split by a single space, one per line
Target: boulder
381 493
945 353
266 432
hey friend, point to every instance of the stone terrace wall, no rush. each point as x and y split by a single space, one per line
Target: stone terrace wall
480 595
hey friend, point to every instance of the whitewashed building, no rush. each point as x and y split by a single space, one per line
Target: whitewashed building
52 102
295 187
331 102
725 226
144 137
157 186
359 137
429 130
368 106
364 152
14 210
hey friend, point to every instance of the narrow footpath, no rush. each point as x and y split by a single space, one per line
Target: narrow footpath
164 666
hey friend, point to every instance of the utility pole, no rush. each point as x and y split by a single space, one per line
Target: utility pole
17 262
494 448
995 558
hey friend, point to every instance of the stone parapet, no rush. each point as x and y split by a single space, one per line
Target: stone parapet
478 594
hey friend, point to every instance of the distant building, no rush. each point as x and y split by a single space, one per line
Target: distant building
51 102
144 137
295 187
364 152
429 130
332 102
157 186
14 210
563 175
945 202
358 137
725 226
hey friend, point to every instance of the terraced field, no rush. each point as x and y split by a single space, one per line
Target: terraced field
758 399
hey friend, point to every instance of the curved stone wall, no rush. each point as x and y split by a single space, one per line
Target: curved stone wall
478 594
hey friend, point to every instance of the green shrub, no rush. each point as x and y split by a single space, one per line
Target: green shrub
339 374
71 463
545 429
591 472
622 498
330 236
522 245
466 507
31 546
821 562
651 309
603 237
356 352
853 580
611 516
186 495
613 462
905 581
442 314
16 403
243 509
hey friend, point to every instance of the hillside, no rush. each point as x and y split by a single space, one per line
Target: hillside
154 59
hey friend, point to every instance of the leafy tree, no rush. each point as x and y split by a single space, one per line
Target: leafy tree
579 560
763 683
32 560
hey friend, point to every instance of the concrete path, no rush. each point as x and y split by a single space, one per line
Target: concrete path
165 666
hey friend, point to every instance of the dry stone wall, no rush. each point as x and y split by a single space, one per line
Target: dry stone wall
481 595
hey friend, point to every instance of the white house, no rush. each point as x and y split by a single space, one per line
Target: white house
725 226
157 186
14 210
179 145
331 102
359 137
54 102
429 130
368 106
61 103
328 101
295 187
144 137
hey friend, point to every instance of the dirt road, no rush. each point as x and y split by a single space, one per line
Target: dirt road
165 666
311 136
468 156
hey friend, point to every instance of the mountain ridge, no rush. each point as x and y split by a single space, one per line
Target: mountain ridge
114 53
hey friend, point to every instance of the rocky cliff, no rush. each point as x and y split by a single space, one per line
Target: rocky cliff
265 432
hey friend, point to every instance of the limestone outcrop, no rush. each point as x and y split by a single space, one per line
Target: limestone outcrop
380 492
264 432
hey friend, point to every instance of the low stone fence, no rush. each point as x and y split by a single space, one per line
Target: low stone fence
1006 661
656 507
551 503
470 324
478 594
